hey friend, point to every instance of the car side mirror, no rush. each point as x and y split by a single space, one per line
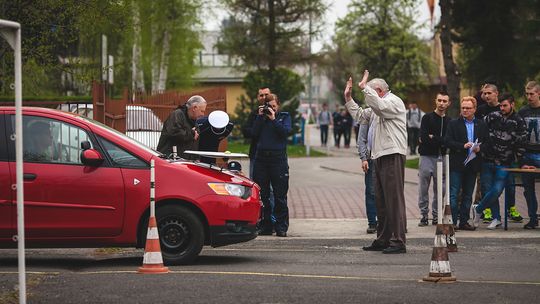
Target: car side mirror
91 157
85 145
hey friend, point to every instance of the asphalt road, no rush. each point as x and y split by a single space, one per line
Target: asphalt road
320 262
272 270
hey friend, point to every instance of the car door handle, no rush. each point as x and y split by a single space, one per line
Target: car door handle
29 176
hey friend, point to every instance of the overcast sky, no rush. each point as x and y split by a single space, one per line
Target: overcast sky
338 9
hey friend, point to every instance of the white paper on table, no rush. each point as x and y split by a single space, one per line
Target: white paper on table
472 154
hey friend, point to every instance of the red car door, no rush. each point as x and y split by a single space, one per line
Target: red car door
63 197
6 203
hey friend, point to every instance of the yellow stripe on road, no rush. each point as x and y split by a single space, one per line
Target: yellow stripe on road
314 276
286 275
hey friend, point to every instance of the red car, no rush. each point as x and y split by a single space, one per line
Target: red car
86 185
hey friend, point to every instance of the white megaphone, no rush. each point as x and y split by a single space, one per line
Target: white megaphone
218 119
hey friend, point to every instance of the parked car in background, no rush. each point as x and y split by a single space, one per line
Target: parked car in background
87 185
141 123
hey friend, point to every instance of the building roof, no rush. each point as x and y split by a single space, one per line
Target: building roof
219 74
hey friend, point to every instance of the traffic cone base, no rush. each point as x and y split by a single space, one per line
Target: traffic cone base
153 261
439 268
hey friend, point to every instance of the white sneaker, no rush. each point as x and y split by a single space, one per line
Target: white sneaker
477 216
494 224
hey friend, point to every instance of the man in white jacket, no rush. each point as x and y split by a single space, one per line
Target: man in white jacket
389 152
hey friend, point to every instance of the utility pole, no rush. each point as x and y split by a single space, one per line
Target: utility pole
307 138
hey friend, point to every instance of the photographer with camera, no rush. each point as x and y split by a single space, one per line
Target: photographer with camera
271 168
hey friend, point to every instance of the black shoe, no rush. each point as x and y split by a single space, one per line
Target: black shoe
281 233
530 225
394 249
372 228
423 222
435 221
265 232
374 247
466 227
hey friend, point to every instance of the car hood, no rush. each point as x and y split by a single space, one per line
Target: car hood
213 172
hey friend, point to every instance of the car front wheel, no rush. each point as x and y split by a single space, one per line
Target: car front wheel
181 234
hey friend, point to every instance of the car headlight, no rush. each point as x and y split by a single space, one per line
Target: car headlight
230 189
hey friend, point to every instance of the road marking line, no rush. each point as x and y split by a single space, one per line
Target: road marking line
31 272
270 274
313 276
264 249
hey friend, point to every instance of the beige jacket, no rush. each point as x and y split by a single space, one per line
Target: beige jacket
390 126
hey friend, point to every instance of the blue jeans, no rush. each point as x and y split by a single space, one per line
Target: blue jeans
461 180
532 159
509 189
494 178
324 134
371 208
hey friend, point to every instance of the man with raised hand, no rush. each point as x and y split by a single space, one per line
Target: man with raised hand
389 152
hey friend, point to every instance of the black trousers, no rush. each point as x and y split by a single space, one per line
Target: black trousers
273 169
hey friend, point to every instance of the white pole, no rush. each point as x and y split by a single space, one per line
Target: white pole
439 191
307 134
104 72
447 179
19 169
152 189
13 37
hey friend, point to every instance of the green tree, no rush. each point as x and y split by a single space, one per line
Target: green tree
453 76
283 82
169 41
62 40
378 35
271 33
498 40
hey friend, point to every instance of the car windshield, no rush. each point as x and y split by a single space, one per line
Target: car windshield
122 135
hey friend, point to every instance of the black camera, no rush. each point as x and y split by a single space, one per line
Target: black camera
266 108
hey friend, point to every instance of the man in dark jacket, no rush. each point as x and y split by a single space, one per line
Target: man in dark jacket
271 170
247 128
464 137
432 130
507 133
179 129
531 114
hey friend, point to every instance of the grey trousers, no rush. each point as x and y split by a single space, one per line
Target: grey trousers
390 199
427 171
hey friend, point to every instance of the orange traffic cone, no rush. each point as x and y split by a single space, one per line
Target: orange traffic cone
448 230
153 261
439 269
